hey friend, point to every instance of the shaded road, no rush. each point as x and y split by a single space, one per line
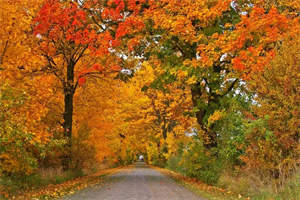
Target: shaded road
138 183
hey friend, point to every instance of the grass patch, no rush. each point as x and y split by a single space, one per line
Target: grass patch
258 190
236 188
204 190
56 186
17 184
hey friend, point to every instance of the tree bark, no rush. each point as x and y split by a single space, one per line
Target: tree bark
69 91
210 138
164 129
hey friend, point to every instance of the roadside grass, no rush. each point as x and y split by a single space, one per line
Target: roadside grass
236 189
52 187
204 190
261 191
14 184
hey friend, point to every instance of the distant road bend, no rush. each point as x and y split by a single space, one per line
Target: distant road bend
138 183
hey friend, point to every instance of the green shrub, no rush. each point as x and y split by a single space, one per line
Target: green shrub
14 184
202 164
194 160
19 151
173 164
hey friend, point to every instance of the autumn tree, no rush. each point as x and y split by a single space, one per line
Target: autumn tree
273 138
68 31
15 37
24 99
211 49
284 5
97 118
169 107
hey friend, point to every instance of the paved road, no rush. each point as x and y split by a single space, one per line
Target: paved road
138 183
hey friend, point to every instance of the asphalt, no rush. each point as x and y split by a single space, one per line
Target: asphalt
136 183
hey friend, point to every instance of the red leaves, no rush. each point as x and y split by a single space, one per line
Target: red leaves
81 15
58 22
81 81
97 67
267 27
55 14
129 26
76 22
114 10
261 30
252 60
67 22
135 5
120 5
116 68
238 64
132 43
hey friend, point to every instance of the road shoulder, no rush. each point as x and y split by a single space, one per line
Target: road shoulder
69 187
206 191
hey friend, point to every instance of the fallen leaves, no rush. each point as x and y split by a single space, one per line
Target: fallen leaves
194 183
68 187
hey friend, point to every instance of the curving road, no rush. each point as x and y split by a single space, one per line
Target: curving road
138 183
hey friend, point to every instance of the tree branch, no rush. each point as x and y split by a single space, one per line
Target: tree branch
207 84
3 53
53 69
80 54
92 74
230 87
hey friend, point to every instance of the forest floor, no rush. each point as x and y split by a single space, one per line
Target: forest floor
139 182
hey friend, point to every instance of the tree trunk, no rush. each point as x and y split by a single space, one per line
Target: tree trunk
69 91
164 129
210 138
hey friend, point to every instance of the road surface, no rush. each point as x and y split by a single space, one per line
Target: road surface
138 183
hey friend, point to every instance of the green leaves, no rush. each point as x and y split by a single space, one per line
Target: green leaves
17 145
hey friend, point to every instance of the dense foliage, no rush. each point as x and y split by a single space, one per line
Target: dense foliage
206 88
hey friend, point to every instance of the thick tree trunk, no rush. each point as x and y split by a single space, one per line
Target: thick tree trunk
68 122
68 114
69 91
210 138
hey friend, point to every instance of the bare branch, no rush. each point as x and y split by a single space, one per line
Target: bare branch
3 53
80 54
230 87
93 75
207 84
52 69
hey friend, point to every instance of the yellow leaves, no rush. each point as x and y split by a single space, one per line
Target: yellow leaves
184 28
217 115
178 18
15 18
12 164
274 132
112 108
228 25
192 80
152 151
292 5
172 142
186 62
